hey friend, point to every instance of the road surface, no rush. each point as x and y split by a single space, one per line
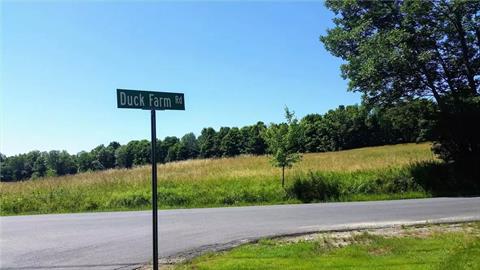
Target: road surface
122 240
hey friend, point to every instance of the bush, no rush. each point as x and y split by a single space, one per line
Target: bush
458 135
446 179
134 199
315 187
390 181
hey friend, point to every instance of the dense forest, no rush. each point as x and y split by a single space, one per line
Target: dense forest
345 127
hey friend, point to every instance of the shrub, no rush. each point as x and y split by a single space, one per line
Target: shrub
134 199
458 136
445 179
315 187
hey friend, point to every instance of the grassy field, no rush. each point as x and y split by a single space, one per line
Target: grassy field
359 174
415 249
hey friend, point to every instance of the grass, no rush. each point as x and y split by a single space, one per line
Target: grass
439 250
244 180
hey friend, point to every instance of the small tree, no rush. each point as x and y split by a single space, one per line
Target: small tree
283 141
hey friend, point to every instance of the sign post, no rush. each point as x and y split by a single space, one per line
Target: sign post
148 100
154 191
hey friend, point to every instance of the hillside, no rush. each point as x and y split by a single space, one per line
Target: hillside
359 174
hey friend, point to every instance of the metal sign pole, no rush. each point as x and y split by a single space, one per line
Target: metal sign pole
154 192
152 100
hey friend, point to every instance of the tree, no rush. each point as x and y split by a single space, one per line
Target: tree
186 148
282 140
6 172
346 128
245 133
231 143
459 140
172 154
84 161
124 157
207 143
14 168
104 155
313 136
398 49
252 139
141 151
402 50
189 145
410 121
34 169
168 150
53 163
40 166
67 163
114 145
60 163
218 142
97 165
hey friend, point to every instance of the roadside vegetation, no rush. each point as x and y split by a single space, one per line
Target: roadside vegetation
345 127
397 51
417 70
386 172
437 247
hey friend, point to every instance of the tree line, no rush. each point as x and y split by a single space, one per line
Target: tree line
342 128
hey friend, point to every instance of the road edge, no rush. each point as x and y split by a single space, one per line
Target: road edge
188 255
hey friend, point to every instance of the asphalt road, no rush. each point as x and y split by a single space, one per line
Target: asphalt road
122 240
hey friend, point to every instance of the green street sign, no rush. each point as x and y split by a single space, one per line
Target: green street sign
148 100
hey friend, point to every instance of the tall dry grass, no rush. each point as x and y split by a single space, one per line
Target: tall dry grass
225 181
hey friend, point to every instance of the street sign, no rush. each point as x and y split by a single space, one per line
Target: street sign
149 100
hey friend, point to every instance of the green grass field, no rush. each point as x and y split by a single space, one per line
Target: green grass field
361 174
435 251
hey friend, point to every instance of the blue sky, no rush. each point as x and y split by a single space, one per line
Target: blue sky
236 62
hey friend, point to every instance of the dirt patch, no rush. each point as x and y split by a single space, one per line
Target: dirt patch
342 239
